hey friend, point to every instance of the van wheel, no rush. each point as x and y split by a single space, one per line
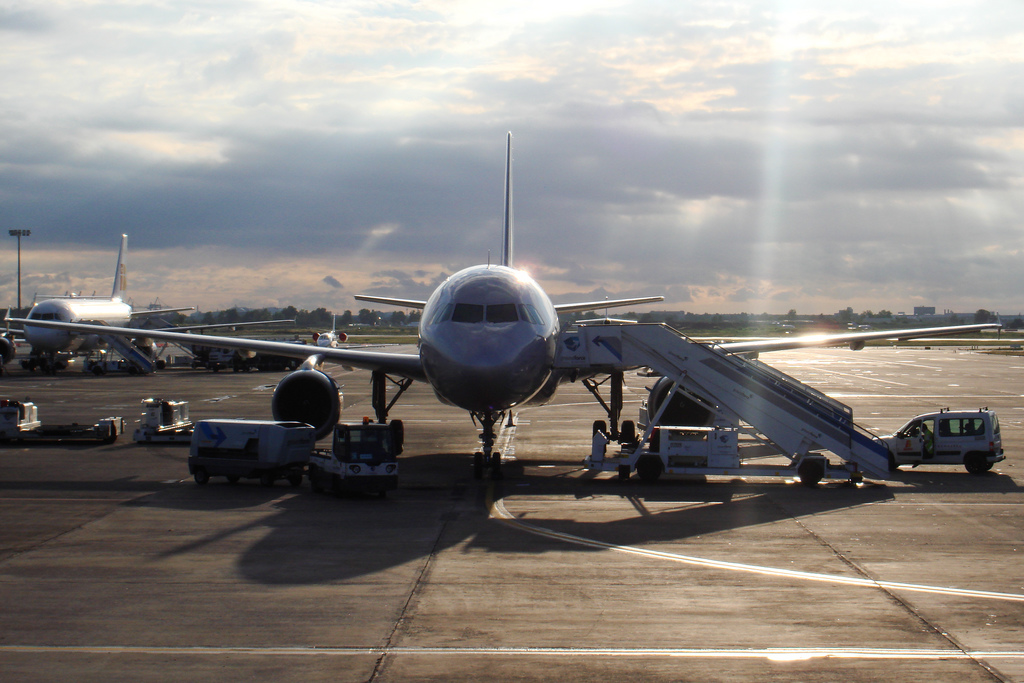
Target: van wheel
201 476
977 463
295 478
649 468
267 479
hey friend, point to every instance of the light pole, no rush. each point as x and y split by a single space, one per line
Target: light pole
19 234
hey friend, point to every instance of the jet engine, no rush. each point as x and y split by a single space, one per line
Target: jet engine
681 410
6 350
309 396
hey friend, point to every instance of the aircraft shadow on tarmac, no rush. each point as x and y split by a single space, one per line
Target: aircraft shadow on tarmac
323 538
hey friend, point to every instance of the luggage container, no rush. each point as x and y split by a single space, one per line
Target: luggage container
250 449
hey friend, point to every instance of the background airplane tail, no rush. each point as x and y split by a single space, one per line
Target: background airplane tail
506 244
121 273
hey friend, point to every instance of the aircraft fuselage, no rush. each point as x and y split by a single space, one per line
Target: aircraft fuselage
113 312
487 339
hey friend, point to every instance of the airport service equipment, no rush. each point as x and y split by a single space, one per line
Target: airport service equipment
363 458
798 422
250 449
19 421
949 437
164 421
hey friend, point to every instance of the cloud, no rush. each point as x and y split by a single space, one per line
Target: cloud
725 155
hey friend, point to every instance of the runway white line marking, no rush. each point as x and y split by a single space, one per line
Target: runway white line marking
498 507
781 654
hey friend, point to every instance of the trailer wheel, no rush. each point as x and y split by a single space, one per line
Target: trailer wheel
977 463
627 434
811 471
623 472
201 476
649 468
294 478
267 478
111 436
314 479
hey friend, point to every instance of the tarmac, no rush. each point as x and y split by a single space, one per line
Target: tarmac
114 564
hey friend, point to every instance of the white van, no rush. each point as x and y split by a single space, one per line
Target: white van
949 437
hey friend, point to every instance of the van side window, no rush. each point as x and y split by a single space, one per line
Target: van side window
911 431
947 428
973 426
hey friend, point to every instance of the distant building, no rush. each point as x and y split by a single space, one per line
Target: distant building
924 310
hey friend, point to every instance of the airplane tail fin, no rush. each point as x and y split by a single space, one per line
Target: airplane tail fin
121 273
506 245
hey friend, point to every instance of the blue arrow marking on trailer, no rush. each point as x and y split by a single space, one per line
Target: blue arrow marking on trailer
218 436
610 345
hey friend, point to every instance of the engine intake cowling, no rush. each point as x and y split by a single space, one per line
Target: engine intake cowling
309 396
7 349
681 410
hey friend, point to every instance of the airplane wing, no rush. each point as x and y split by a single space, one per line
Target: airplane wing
390 301
855 340
404 364
158 311
222 326
607 303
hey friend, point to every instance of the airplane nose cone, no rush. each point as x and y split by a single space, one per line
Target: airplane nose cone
486 372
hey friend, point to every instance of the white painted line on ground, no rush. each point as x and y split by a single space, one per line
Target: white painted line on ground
781 654
497 509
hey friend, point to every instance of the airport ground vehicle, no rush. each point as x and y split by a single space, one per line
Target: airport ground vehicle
19 421
363 458
949 437
250 449
701 450
164 421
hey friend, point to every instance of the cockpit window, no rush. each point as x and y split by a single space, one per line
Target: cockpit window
42 316
529 313
444 314
502 313
468 313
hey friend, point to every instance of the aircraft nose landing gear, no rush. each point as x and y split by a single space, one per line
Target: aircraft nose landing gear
488 457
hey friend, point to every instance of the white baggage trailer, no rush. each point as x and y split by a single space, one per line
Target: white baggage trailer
250 449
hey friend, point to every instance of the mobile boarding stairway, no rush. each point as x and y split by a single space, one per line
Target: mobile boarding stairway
794 417
137 358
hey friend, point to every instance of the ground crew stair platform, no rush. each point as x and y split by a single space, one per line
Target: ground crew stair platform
794 417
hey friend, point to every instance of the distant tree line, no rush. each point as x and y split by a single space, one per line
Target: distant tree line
319 318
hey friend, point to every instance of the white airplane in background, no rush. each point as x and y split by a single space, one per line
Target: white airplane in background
330 339
487 341
50 346
47 343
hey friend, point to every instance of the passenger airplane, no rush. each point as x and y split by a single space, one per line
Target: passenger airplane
487 341
113 310
49 344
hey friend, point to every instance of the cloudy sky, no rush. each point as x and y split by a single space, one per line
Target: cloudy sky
730 156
